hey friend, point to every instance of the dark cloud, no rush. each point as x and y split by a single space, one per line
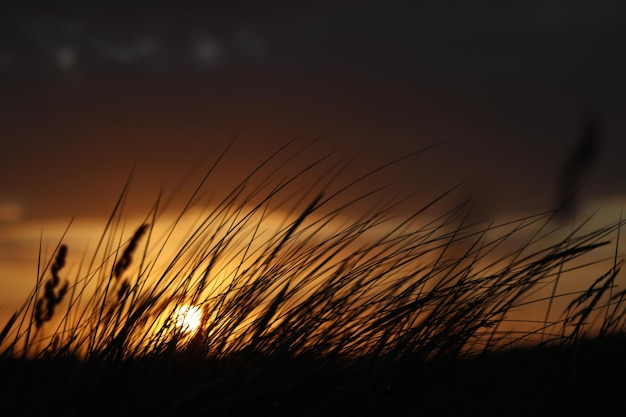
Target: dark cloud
95 89
500 39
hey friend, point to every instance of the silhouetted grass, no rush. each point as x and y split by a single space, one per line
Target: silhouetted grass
315 303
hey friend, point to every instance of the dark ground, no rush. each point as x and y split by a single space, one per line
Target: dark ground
588 378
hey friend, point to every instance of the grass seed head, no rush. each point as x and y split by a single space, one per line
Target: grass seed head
53 293
127 256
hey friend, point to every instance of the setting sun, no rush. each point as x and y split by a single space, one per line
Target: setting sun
189 318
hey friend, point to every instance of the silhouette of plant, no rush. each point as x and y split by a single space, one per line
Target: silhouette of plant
54 291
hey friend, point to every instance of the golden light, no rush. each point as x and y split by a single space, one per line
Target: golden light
189 318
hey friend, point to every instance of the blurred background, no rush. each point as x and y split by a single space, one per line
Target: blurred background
90 91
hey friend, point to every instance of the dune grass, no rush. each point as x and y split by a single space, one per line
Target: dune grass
320 299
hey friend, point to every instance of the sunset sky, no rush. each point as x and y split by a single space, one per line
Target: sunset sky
89 92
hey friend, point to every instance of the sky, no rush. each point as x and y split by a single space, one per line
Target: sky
90 93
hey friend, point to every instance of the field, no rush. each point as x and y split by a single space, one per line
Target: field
324 299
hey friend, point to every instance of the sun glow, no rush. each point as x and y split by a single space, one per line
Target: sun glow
189 318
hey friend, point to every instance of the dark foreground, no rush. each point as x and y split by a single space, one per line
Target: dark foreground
589 378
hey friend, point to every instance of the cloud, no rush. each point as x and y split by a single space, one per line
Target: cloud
206 50
10 211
